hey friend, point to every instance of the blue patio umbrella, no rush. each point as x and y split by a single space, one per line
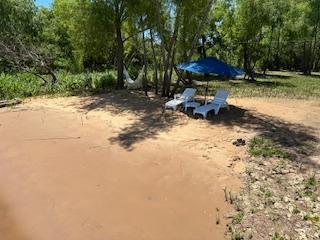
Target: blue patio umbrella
211 65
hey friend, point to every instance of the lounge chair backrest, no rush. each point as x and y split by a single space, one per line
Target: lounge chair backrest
188 93
220 97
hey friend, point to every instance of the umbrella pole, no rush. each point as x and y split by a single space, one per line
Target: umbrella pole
205 98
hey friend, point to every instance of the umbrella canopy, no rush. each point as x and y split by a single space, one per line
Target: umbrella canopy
211 65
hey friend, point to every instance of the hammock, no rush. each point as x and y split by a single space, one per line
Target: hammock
133 84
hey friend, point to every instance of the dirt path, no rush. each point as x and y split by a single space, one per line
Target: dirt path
110 167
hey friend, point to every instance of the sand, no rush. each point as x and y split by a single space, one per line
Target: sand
117 167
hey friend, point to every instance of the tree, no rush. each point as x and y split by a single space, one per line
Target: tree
18 35
18 55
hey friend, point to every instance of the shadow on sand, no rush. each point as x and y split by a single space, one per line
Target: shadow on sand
296 138
152 119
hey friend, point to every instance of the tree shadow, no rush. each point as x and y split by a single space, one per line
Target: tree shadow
295 138
151 117
258 83
152 120
312 75
272 75
264 83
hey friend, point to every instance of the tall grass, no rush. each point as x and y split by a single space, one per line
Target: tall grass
27 85
19 85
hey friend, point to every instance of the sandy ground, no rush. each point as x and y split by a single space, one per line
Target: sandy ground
116 166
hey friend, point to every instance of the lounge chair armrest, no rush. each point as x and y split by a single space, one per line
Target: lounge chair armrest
177 96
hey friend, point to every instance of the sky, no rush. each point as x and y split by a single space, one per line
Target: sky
43 3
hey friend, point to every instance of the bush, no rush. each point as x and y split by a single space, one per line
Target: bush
72 83
19 85
27 85
106 81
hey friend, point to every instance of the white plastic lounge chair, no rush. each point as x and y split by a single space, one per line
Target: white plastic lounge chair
219 101
186 96
133 84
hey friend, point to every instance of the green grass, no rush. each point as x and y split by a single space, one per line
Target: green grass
314 218
236 236
23 85
259 146
275 84
311 185
277 236
237 218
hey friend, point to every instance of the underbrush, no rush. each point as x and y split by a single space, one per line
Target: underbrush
23 85
19 86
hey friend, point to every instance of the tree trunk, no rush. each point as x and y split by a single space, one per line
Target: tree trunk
172 64
155 62
315 33
167 53
177 83
204 53
120 51
247 62
269 52
162 47
203 22
245 57
145 85
307 58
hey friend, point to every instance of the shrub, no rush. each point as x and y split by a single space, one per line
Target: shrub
105 81
27 85
19 85
73 83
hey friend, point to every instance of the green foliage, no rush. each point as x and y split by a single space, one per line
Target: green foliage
79 36
264 147
277 236
236 236
314 218
53 36
19 85
311 186
267 34
237 218
26 85
17 17
104 81
72 84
